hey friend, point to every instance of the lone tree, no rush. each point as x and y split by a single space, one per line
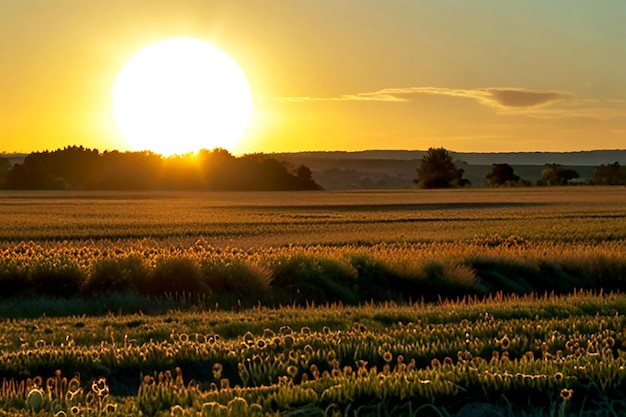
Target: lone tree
502 175
610 174
555 174
437 170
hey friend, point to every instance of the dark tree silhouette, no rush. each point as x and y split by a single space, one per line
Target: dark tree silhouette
4 169
437 170
503 175
304 173
80 168
555 174
610 174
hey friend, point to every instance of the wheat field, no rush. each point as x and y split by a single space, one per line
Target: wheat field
407 303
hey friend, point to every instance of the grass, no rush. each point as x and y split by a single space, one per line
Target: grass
246 220
207 276
521 351
352 303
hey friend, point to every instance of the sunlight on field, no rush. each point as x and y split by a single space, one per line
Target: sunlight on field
261 219
523 351
234 304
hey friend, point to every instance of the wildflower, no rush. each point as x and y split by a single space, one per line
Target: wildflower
35 399
177 410
505 342
292 371
285 330
288 341
566 394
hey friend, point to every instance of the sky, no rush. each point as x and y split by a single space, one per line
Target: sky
325 75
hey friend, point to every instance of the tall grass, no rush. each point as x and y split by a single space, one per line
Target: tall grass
534 354
425 302
350 274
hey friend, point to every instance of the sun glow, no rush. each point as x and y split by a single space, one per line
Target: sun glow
180 95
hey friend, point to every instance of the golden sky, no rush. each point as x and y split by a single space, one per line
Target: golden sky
480 75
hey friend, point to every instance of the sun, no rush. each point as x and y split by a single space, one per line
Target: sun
180 95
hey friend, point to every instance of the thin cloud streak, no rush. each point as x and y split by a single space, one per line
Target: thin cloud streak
507 100
495 97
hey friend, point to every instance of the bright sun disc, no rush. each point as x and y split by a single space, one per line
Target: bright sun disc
180 95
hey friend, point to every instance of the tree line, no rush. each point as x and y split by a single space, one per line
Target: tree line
438 170
76 167
79 168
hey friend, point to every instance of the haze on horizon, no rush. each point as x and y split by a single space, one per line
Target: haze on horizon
479 76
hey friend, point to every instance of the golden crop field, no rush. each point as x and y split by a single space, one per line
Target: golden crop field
396 303
255 219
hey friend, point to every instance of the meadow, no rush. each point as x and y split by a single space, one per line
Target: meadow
314 303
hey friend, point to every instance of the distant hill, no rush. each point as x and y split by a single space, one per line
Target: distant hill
380 169
581 158
396 168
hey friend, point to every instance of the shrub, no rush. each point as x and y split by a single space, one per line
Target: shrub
175 275
378 282
449 280
236 281
505 275
57 277
606 272
462 279
117 275
13 280
304 279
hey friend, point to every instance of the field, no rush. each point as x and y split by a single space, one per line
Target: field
355 303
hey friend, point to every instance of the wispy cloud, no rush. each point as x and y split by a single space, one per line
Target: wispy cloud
547 104
521 98
516 98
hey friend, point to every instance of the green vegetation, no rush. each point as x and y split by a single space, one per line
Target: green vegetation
78 168
610 174
555 174
503 175
348 274
438 170
529 356
329 304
